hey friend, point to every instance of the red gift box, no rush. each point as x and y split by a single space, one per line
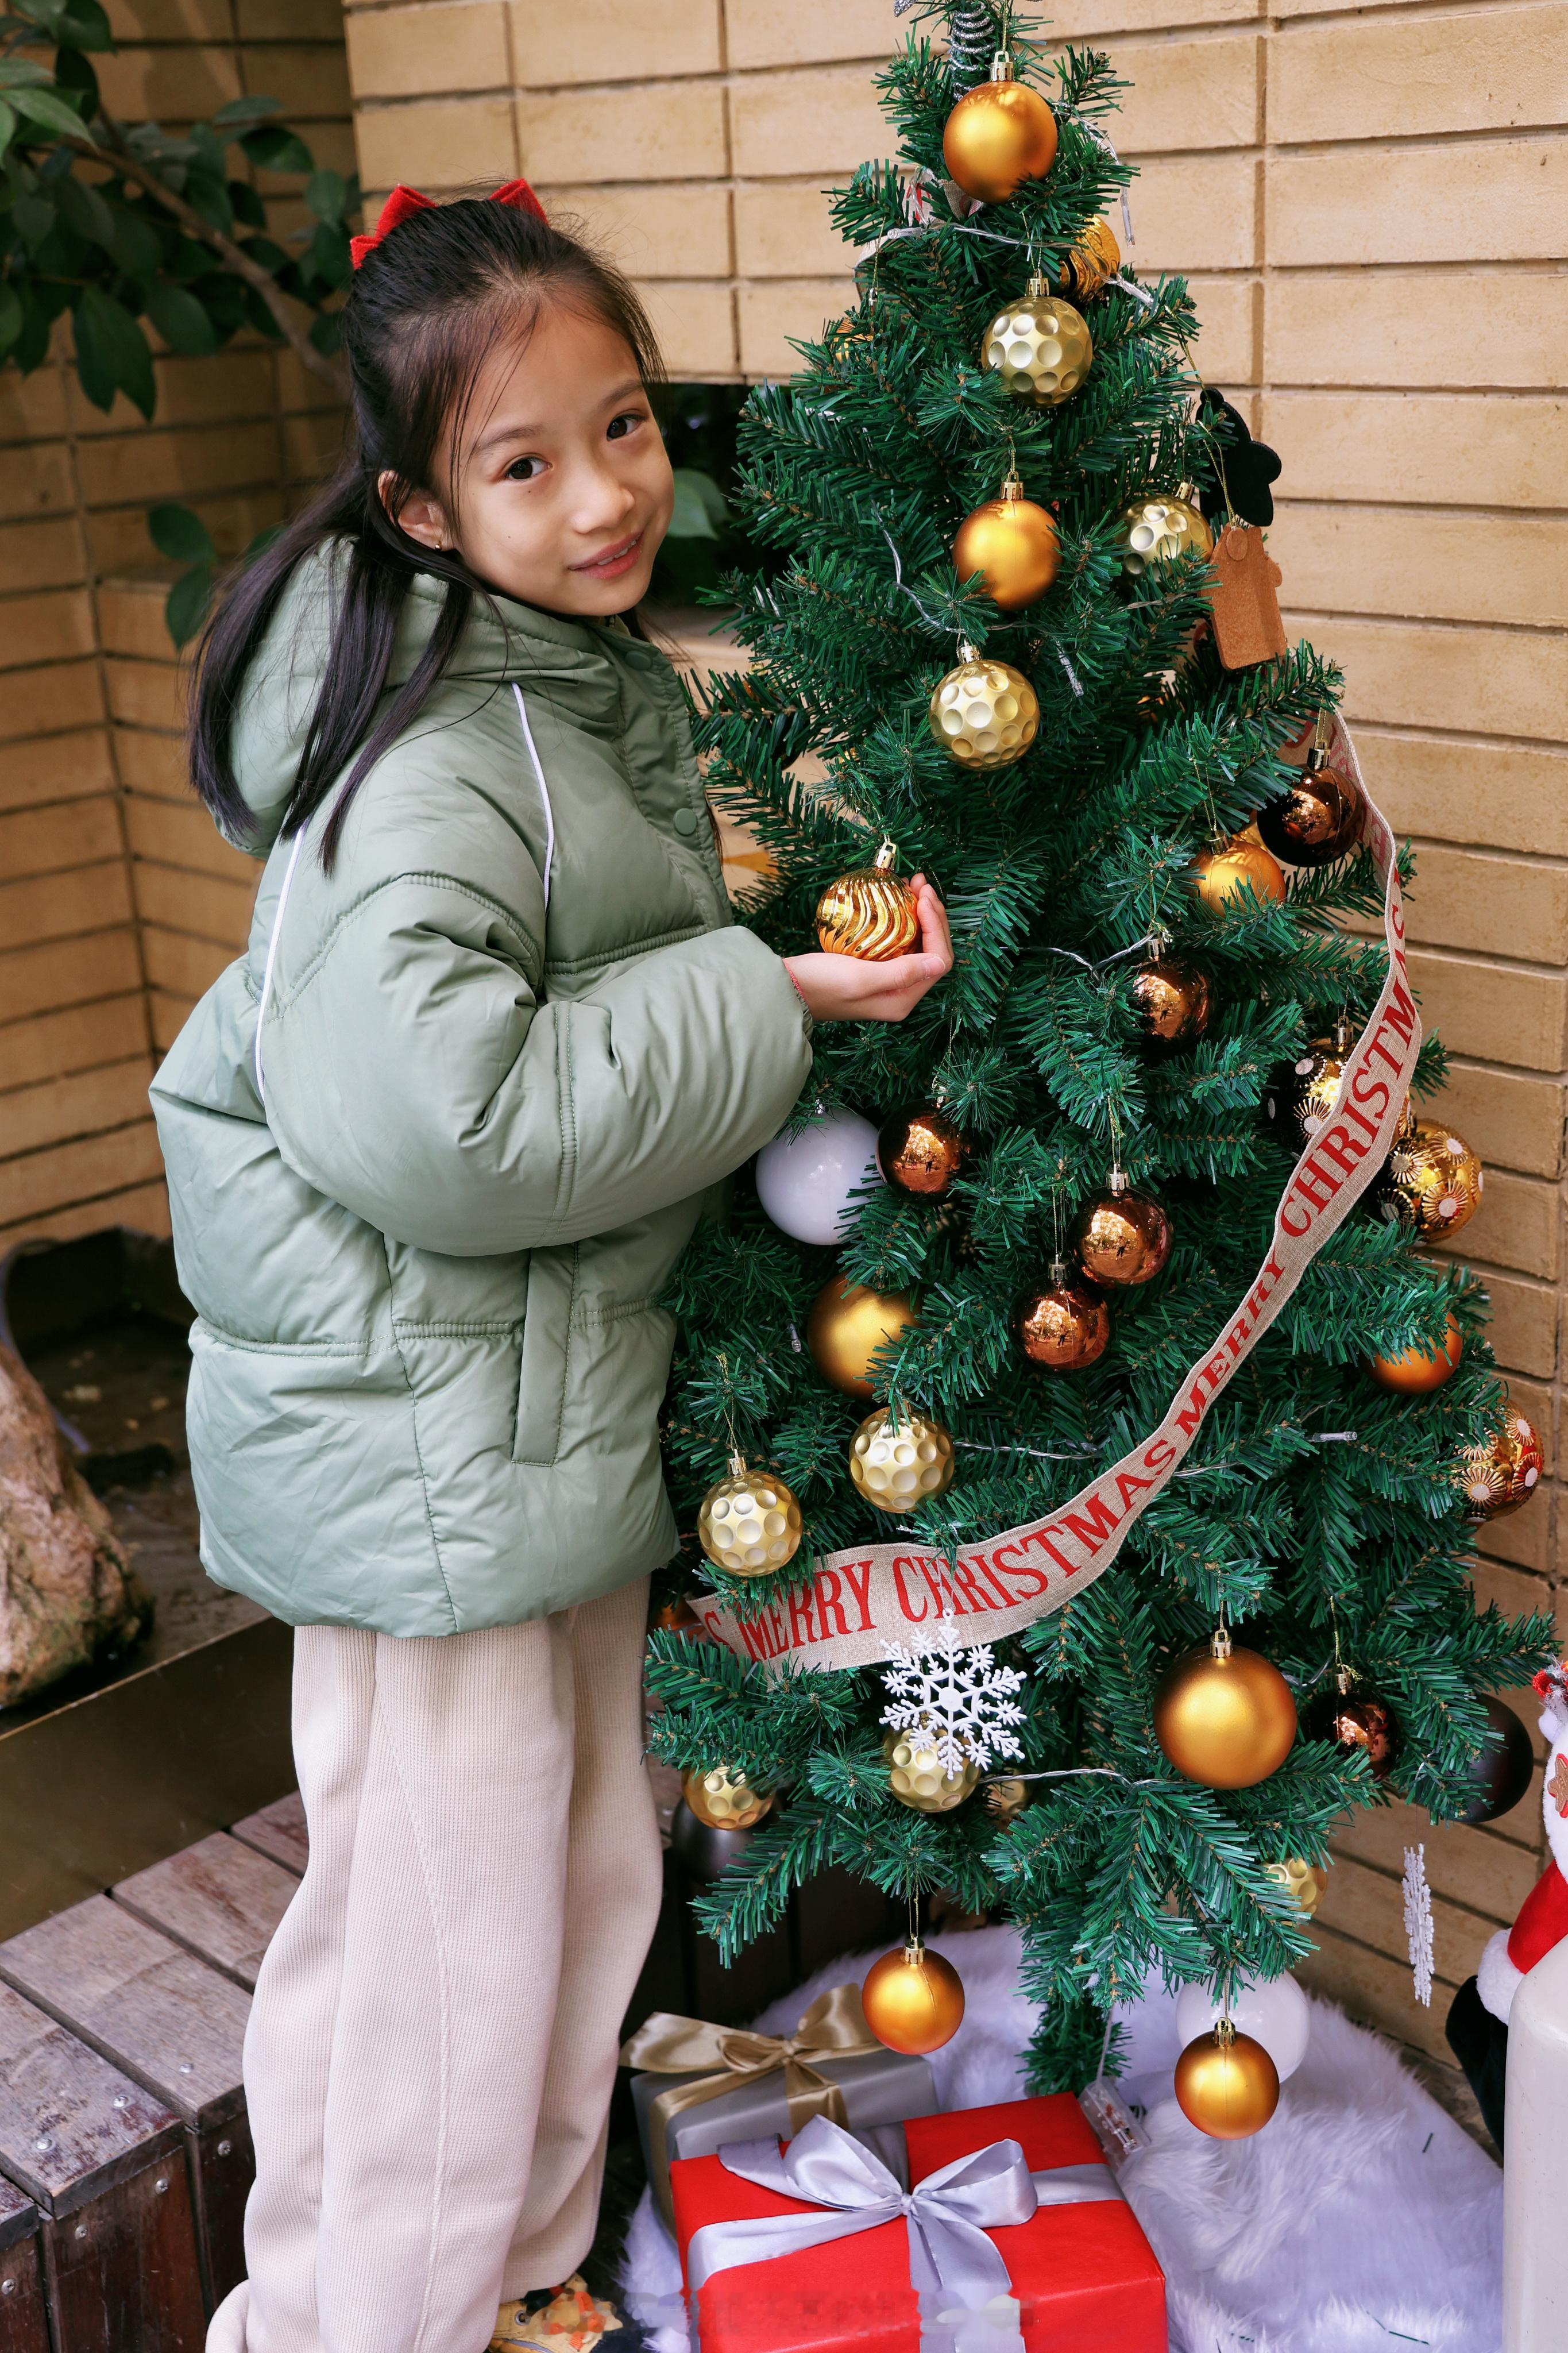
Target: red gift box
1085 2275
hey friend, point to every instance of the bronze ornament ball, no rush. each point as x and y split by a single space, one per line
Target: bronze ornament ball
1416 1372
920 1152
1435 1182
1500 1775
847 1327
1013 545
1172 998
983 714
900 1459
1225 1715
1159 527
999 135
869 912
1318 820
1065 1327
1358 1721
1501 1475
1005 1798
1227 2084
918 1779
1221 876
914 2000
1121 1237
1093 262
1040 346
724 1799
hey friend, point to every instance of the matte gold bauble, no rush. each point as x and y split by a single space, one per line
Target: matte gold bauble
724 1798
1093 262
1013 545
1357 1721
1159 528
1040 346
900 1459
847 1325
1000 134
1121 1237
749 1522
914 2000
1225 1715
1173 1001
1435 1182
917 1776
983 714
869 912
1501 1475
1305 1882
1221 876
1227 2084
1414 1372
920 1152
1318 820
1067 1326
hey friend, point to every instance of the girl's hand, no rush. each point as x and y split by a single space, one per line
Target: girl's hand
853 988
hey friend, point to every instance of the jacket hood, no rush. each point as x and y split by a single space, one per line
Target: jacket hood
285 679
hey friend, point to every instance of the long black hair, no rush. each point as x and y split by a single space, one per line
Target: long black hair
426 307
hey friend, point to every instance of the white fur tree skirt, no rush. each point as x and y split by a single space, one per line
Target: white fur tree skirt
1361 2217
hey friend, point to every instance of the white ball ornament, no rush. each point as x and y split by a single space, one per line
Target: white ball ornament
804 1181
1273 2010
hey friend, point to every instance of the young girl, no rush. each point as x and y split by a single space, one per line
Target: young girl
434 1145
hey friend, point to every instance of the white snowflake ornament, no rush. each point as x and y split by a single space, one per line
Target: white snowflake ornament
1418 1921
959 1696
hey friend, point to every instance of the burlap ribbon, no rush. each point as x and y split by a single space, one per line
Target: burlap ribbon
832 2028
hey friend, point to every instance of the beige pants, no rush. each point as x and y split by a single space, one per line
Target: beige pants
432 2048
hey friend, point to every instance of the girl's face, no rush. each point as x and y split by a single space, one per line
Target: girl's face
563 489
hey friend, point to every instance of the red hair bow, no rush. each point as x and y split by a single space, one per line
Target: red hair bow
404 203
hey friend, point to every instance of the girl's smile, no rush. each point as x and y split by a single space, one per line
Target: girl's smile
615 561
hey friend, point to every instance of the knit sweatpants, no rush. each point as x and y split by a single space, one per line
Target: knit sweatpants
433 2041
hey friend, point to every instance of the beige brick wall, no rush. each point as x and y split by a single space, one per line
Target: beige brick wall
117 904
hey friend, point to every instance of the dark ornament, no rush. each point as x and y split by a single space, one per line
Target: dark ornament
1248 466
1356 1722
920 1152
701 1851
1318 820
1064 1327
1500 1776
1172 998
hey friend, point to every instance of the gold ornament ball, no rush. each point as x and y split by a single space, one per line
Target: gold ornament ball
1304 1095
1305 1882
724 1799
1415 1372
914 2000
1173 1001
1225 1715
1158 529
847 1325
1221 876
1006 1798
998 136
1318 820
920 1152
1226 2084
918 1778
1013 545
749 1522
1093 262
1040 346
1064 1327
900 1460
869 912
985 713
1121 1237
1501 1475
1435 1181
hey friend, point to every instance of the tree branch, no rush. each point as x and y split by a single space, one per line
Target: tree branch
117 154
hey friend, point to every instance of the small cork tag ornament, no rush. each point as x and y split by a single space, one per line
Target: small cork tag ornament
1242 604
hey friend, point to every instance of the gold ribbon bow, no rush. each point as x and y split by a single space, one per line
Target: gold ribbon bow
832 2028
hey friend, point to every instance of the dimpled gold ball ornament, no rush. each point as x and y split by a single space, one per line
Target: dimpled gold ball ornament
1159 528
920 1152
983 714
1093 262
1000 134
1502 1473
917 1776
1304 1881
1064 1327
1227 2084
1225 1715
1221 875
1040 346
900 1459
1172 998
847 1325
1121 1237
724 1799
1415 1372
749 1522
914 2000
870 911
1435 1181
1013 545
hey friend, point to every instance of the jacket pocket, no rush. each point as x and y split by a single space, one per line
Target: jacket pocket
546 1355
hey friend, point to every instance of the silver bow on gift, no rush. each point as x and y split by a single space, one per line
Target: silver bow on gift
960 2279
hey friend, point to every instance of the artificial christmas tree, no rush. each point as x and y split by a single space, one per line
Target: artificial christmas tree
1079 775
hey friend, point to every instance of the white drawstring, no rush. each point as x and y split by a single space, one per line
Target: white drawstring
272 958
544 790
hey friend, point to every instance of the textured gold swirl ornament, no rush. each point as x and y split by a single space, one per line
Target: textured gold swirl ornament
900 1459
869 912
1157 529
983 714
1093 261
1503 1473
1040 346
749 1522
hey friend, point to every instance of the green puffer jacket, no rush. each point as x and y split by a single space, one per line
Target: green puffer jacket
508 1045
